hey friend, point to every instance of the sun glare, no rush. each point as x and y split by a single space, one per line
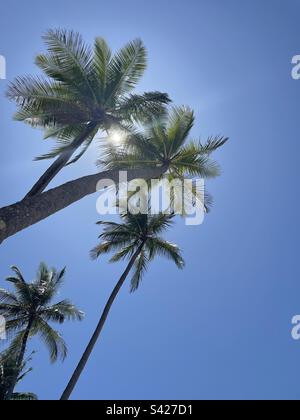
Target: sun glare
117 137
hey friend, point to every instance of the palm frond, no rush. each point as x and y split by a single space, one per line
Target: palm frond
213 144
16 344
23 292
126 252
62 311
125 69
191 161
18 273
83 150
102 57
166 249
160 223
52 339
59 278
69 60
65 138
24 396
10 311
141 265
43 103
143 108
55 152
113 242
15 323
66 133
181 121
8 297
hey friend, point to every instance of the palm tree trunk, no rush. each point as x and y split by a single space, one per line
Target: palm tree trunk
86 355
19 362
60 162
32 210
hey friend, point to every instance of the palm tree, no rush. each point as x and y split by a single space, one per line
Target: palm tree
138 240
8 371
28 312
165 143
85 90
163 147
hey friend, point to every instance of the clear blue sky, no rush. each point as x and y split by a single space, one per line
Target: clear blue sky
220 329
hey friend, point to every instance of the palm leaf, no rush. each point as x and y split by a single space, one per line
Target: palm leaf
125 69
62 311
70 59
8 297
102 57
52 339
140 269
143 108
24 396
181 121
166 249
18 274
213 143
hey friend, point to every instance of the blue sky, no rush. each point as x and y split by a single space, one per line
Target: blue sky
221 328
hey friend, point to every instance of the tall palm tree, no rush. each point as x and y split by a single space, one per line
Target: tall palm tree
86 90
28 312
138 240
164 146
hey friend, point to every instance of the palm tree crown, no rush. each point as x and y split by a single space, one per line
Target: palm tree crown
165 142
86 89
138 234
31 306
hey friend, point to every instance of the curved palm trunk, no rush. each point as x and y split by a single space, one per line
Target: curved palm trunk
86 355
19 363
32 210
60 162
